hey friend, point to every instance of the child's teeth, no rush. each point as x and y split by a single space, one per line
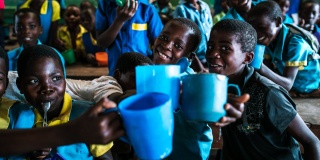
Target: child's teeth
27 39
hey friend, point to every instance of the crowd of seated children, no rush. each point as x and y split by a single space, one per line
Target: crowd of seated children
49 12
270 126
309 14
70 36
41 79
199 12
297 65
165 10
118 29
285 5
91 127
27 25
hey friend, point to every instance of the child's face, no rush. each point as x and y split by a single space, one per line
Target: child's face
309 13
88 20
174 42
43 82
127 80
224 55
284 5
3 77
28 29
72 17
241 5
267 30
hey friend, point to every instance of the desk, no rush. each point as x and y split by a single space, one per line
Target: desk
85 71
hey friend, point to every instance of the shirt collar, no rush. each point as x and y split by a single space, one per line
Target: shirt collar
43 9
63 116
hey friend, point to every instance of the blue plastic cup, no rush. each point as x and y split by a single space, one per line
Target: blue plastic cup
148 121
258 56
159 78
205 101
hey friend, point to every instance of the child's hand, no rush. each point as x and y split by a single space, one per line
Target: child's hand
91 59
126 12
234 108
40 154
196 64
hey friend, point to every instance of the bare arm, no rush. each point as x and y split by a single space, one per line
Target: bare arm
300 131
286 81
90 128
105 38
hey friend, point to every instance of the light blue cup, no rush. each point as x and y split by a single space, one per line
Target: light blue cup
159 78
204 96
258 56
148 122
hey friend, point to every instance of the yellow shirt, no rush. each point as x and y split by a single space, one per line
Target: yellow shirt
96 150
5 105
44 7
64 35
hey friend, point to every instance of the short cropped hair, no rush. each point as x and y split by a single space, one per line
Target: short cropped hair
26 10
130 60
245 33
194 27
271 9
4 56
32 53
303 3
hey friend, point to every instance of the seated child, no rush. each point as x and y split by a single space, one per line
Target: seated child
49 12
70 35
41 80
270 127
28 27
89 38
297 66
100 128
284 5
309 14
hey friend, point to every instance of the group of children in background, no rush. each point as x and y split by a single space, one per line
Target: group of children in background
268 127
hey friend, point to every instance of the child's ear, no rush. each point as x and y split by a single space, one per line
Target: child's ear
18 82
278 21
248 58
41 29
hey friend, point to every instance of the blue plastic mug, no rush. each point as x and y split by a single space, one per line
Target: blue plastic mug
204 96
258 56
159 78
148 122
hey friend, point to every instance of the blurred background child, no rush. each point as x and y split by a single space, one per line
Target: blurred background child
165 10
285 5
309 14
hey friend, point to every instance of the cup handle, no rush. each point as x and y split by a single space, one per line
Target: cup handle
236 87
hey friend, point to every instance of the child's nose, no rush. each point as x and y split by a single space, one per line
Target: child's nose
47 90
168 45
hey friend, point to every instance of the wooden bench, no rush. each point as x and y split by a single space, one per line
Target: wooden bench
85 71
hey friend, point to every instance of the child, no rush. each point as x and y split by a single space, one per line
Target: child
225 8
70 35
101 129
309 14
49 12
297 65
270 126
239 10
28 27
41 80
284 5
118 28
199 12
89 38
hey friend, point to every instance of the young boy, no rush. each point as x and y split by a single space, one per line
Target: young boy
297 65
285 5
28 27
270 126
309 14
70 35
41 80
91 127
49 12
199 12
118 28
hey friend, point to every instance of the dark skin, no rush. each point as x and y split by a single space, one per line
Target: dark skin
309 14
241 6
268 31
225 57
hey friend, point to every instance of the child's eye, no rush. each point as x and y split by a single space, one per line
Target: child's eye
32 26
162 37
56 78
33 81
224 48
210 47
178 46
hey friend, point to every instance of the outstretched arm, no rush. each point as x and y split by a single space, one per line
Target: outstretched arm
106 37
92 127
286 80
300 131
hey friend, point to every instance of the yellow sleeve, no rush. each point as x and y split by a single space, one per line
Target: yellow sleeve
99 150
5 106
55 11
